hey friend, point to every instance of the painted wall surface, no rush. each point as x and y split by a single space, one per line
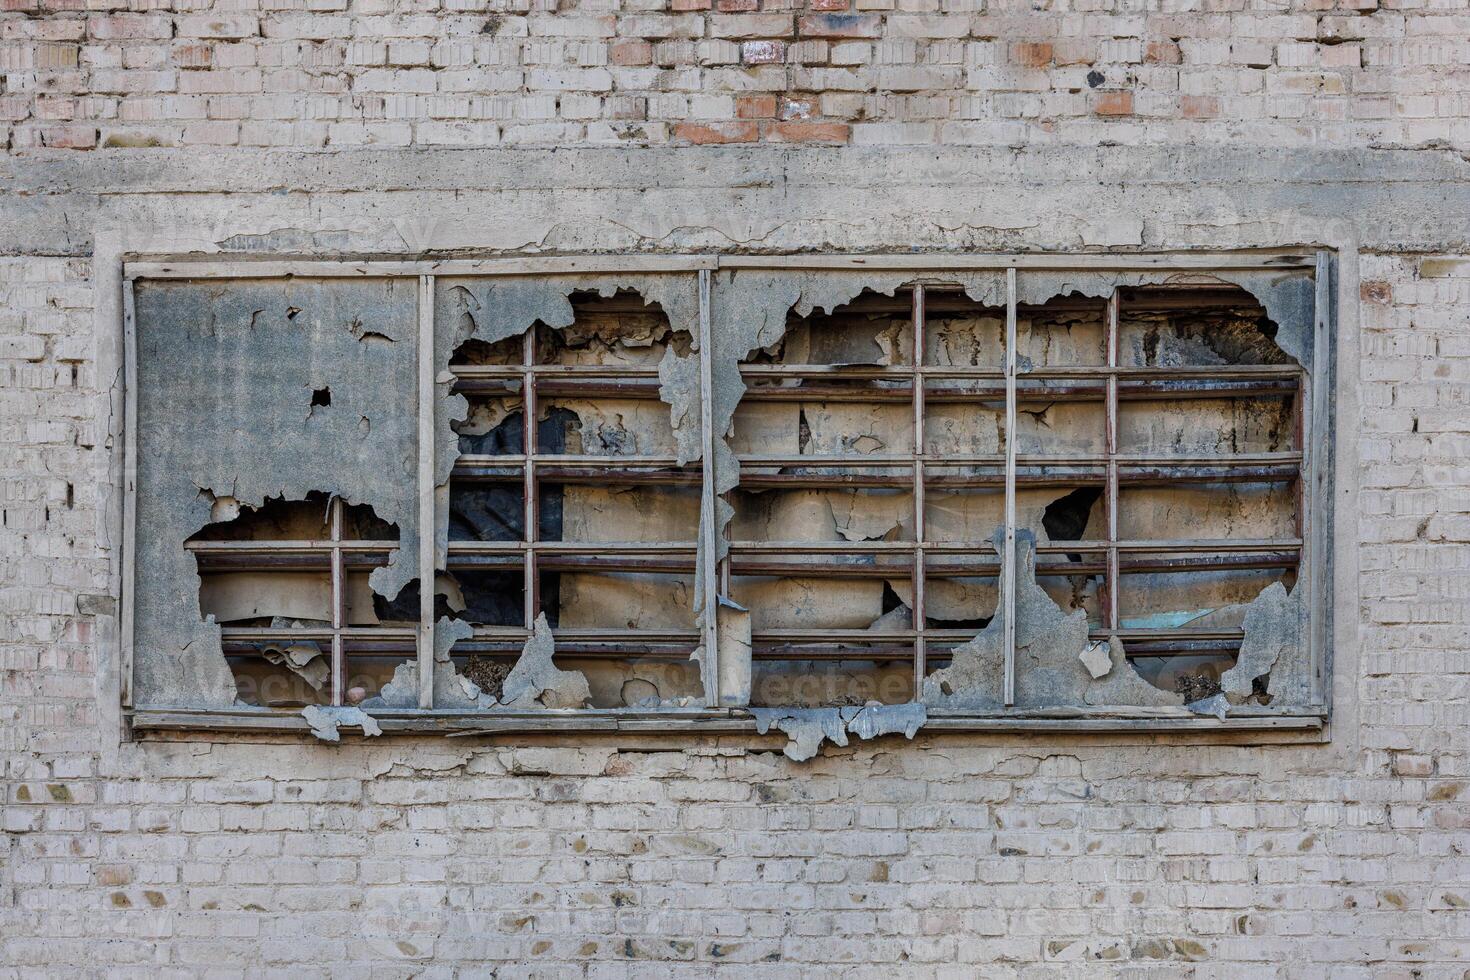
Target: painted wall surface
369 128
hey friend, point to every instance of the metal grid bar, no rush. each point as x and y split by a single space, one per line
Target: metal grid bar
1008 554
531 583
339 607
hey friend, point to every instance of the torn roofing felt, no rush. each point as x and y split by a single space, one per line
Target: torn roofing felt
1054 664
226 373
749 311
1288 296
490 309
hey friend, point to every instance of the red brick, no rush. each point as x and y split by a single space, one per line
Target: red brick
1113 104
630 53
1162 53
828 4
717 132
809 132
78 137
1199 107
1380 293
193 55
1031 54
840 25
737 6
755 106
678 5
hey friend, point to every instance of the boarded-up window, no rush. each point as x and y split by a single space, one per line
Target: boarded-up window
977 492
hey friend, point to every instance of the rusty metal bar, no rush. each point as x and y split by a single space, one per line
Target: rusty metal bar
1110 493
869 372
916 382
529 520
338 604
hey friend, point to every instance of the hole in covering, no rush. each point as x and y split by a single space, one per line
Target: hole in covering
321 397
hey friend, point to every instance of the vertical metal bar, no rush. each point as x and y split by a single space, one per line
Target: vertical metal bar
1113 583
130 486
1315 460
707 570
427 524
529 517
1008 557
920 642
339 657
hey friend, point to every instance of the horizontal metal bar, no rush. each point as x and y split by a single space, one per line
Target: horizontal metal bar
899 372
1223 545
986 565
634 389
584 635
1090 391
1022 459
252 634
267 544
516 372
571 547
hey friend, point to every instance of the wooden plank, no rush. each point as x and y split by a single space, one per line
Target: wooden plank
426 516
1008 553
212 267
947 261
1317 463
203 266
130 489
709 599
683 723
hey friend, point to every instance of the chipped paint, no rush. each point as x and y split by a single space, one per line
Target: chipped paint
808 728
325 721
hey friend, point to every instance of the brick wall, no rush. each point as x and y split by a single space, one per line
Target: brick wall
1048 856
334 73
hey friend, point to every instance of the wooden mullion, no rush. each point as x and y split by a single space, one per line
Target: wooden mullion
1008 553
707 571
427 522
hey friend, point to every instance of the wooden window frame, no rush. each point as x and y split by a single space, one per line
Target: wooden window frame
1313 461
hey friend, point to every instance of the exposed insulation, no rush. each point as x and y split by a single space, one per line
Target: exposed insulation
632 513
625 600
226 374
809 603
